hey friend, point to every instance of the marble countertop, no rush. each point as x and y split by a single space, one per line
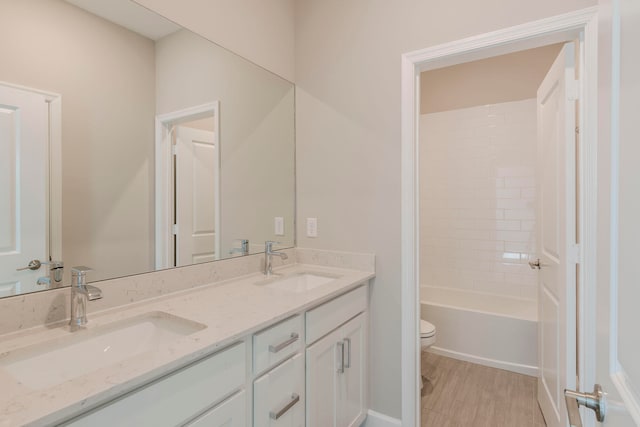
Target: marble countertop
230 310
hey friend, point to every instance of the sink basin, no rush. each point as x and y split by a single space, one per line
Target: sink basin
53 362
299 282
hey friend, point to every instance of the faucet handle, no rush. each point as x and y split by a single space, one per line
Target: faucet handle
54 264
268 245
81 270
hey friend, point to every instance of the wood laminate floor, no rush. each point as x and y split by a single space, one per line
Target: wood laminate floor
463 394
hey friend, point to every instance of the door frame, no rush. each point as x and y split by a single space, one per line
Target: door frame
164 176
581 24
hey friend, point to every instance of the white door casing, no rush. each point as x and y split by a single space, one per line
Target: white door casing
164 175
556 236
24 168
579 24
197 201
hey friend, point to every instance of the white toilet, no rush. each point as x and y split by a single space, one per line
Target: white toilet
427 334
427 338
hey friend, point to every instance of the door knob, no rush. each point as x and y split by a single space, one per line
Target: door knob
34 264
535 265
595 401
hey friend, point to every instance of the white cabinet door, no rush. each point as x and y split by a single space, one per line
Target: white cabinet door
351 383
336 376
230 413
278 396
322 381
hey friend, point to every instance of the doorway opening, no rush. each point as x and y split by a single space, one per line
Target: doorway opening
579 26
188 186
490 133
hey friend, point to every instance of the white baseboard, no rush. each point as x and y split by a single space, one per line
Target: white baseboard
376 419
507 366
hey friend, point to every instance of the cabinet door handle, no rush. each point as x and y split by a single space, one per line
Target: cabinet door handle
274 415
347 364
276 348
340 347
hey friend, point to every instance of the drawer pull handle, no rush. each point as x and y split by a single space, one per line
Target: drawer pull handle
340 348
276 348
294 399
347 364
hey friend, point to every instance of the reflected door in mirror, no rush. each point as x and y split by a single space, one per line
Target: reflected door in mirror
24 165
197 209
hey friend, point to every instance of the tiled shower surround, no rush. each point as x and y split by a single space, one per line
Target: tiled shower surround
478 198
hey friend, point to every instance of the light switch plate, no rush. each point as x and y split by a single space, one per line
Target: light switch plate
312 227
279 226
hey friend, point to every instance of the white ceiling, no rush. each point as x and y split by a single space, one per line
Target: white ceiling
131 15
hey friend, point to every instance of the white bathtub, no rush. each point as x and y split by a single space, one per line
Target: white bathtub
489 330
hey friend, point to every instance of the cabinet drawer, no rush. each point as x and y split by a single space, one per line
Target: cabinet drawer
275 344
322 320
279 395
176 398
230 413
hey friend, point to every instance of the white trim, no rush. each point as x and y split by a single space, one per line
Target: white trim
376 419
55 178
555 29
493 363
164 173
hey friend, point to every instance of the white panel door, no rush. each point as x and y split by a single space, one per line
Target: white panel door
197 197
617 358
557 237
23 188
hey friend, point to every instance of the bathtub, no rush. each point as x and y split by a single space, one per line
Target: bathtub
495 331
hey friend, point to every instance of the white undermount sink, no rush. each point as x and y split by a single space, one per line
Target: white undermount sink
298 282
47 364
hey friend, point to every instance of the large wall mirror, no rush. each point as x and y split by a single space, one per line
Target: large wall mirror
130 144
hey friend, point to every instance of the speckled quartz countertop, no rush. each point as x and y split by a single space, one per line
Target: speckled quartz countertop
230 310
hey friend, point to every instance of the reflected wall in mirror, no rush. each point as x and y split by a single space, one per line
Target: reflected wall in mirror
95 99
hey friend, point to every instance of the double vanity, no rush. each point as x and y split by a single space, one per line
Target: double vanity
288 349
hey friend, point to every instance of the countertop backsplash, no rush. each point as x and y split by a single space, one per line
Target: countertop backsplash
35 309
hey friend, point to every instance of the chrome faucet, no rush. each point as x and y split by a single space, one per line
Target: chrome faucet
268 254
243 249
80 294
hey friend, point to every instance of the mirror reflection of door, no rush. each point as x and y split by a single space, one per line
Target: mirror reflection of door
24 188
197 201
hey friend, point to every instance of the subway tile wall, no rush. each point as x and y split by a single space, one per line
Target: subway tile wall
478 198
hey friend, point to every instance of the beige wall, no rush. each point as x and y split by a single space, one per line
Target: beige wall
504 78
105 75
261 31
348 135
256 132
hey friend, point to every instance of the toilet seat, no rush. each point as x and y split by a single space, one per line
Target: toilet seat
427 330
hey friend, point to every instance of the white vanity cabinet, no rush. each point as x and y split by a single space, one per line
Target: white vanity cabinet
307 370
336 380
